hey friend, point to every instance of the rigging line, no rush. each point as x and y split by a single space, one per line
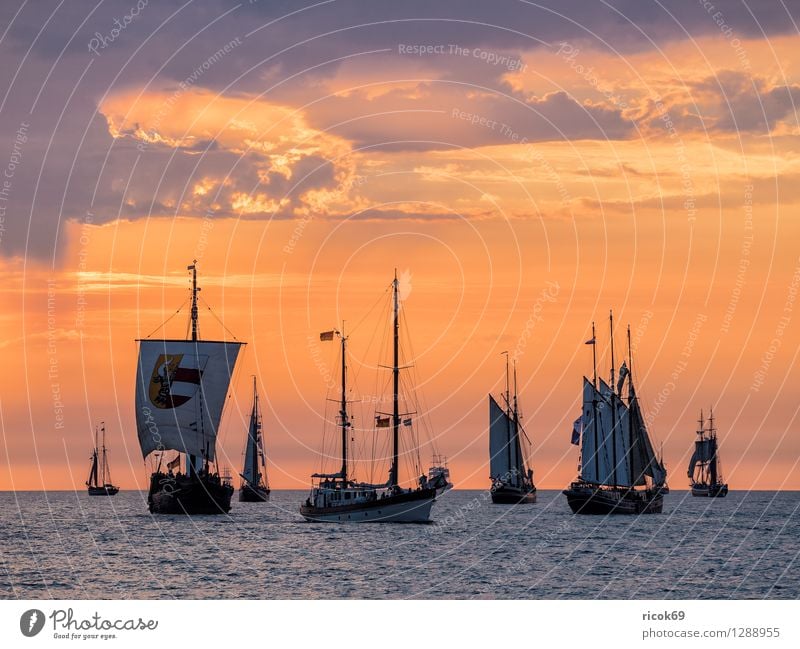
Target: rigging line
168 319
372 337
371 309
419 401
218 320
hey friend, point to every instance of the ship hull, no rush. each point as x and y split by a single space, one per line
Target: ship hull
442 489
198 495
513 496
710 491
105 490
251 494
587 499
410 507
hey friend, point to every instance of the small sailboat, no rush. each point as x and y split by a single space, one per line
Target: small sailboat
512 479
337 497
439 475
616 451
705 468
99 482
254 487
181 389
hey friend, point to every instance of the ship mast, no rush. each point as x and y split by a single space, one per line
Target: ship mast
191 463
613 405
517 444
509 416
343 408
712 465
393 477
594 406
701 433
103 462
631 443
254 436
92 482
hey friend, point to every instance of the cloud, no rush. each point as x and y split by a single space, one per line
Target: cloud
338 66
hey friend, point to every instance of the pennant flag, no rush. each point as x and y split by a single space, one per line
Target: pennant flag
576 431
326 335
382 422
590 342
175 463
407 422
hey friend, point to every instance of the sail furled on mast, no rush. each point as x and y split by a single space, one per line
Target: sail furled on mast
181 386
504 452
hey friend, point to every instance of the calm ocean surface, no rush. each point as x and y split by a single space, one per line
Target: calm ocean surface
67 545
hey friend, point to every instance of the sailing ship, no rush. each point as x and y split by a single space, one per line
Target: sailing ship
705 468
512 479
337 497
617 454
439 475
181 388
254 487
99 482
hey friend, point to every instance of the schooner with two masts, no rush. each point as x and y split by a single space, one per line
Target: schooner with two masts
337 497
99 482
616 451
181 389
512 479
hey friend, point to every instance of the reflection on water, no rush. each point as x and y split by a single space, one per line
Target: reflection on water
68 545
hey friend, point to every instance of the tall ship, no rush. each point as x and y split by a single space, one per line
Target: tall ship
338 497
705 469
99 482
181 389
512 478
439 474
620 472
254 487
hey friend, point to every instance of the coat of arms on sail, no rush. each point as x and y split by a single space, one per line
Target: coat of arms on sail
175 379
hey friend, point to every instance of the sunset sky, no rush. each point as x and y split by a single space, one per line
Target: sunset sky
524 166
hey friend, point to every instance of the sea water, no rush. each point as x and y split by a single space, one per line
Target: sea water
70 545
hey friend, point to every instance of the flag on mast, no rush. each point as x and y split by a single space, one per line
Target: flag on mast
327 335
590 342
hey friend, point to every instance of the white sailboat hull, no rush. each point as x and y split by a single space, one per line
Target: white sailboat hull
403 510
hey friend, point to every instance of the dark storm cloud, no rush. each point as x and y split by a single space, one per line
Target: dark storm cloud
60 61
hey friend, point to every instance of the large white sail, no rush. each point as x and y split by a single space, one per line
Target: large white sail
605 418
253 450
181 387
618 443
645 461
588 447
504 462
605 436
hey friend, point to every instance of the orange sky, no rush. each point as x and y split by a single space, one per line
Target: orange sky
508 246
